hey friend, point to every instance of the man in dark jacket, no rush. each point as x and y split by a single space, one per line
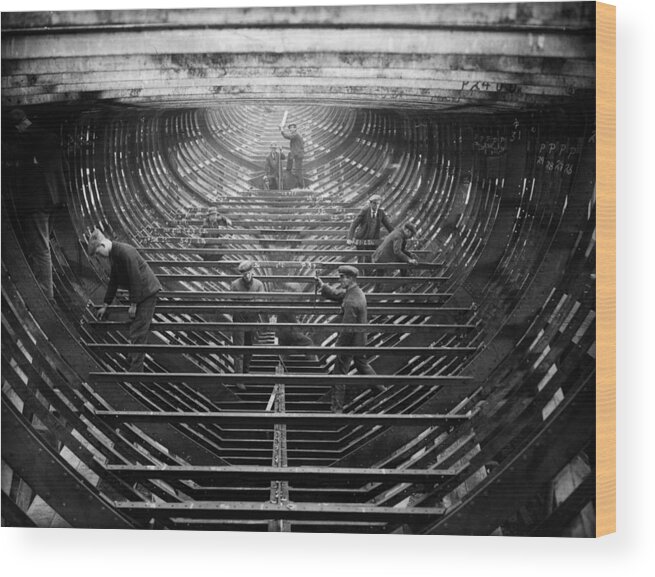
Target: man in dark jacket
247 283
353 310
128 271
394 248
365 228
210 229
296 152
40 188
273 168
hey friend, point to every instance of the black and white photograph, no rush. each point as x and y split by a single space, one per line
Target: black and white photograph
311 269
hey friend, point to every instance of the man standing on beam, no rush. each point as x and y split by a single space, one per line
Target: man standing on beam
40 188
365 228
296 152
128 271
247 283
394 248
353 310
210 229
273 169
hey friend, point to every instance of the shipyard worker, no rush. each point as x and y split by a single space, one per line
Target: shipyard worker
40 188
394 246
212 222
210 229
128 271
296 152
273 168
353 310
393 249
249 284
365 228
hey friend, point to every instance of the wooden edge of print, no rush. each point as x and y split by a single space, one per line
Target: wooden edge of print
606 269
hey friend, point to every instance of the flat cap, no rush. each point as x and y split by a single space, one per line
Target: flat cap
375 197
348 270
410 226
245 266
95 240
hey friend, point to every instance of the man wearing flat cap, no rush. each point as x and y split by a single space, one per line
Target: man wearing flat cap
394 247
364 231
273 168
296 152
210 229
38 187
247 283
353 310
128 271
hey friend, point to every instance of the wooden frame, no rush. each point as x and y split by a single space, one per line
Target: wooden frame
606 269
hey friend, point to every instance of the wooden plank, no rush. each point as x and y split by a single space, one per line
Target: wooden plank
574 17
259 250
306 379
292 263
395 280
13 515
209 473
430 329
292 512
68 493
452 79
280 94
460 64
113 82
319 309
290 418
408 299
278 349
308 40
606 270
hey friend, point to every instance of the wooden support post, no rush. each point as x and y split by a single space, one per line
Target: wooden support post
279 489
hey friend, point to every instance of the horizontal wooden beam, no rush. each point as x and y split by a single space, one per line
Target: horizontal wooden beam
299 264
275 199
472 90
395 280
182 228
269 418
306 211
280 94
477 68
259 250
550 15
174 76
390 299
210 473
319 309
309 226
310 40
304 379
430 329
279 349
289 511
209 241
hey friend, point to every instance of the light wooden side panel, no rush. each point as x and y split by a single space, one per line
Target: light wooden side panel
606 268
